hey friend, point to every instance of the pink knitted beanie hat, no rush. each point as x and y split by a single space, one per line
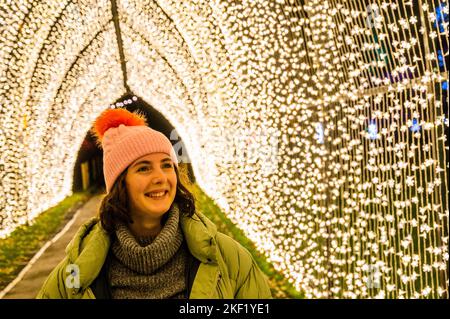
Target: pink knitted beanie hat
125 137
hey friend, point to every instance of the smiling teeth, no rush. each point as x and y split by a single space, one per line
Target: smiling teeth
156 195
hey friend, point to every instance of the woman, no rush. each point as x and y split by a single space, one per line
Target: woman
148 240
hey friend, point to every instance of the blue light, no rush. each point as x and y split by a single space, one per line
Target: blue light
373 130
415 127
320 133
445 85
440 58
441 17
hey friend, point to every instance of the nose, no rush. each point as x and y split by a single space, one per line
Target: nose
158 176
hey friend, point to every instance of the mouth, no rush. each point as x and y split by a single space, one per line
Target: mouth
157 195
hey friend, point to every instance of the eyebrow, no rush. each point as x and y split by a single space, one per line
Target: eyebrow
148 162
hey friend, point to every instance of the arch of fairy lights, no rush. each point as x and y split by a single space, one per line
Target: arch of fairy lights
354 94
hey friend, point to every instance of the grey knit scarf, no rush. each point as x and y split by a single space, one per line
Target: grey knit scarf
149 267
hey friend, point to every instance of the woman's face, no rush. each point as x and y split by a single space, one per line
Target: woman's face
146 179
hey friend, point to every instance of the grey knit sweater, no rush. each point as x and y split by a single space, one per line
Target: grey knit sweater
146 267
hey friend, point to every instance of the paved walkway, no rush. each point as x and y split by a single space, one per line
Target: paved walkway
34 278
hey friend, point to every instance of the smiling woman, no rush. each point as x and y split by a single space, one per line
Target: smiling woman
149 203
148 240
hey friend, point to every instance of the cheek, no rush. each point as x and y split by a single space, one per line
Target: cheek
134 186
173 183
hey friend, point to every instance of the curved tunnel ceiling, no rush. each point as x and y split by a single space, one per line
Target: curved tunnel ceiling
317 126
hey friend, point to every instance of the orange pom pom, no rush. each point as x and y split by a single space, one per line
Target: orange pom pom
113 118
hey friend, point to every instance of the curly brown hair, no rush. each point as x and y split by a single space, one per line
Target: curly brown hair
114 206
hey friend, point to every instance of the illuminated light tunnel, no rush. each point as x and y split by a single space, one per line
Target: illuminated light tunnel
318 126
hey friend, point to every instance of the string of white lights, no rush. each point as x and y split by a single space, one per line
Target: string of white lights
323 122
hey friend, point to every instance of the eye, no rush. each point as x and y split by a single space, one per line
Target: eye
168 165
142 169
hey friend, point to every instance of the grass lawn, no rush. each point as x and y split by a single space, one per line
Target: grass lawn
17 249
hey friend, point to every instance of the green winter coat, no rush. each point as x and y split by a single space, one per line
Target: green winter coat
226 269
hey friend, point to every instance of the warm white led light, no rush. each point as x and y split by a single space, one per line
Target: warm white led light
347 98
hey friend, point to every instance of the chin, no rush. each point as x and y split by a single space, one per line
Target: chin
159 209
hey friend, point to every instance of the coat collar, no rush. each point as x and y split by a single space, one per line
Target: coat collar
88 250
200 234
89 247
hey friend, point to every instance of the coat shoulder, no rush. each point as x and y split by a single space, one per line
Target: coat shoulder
237 258
241 267
85 254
